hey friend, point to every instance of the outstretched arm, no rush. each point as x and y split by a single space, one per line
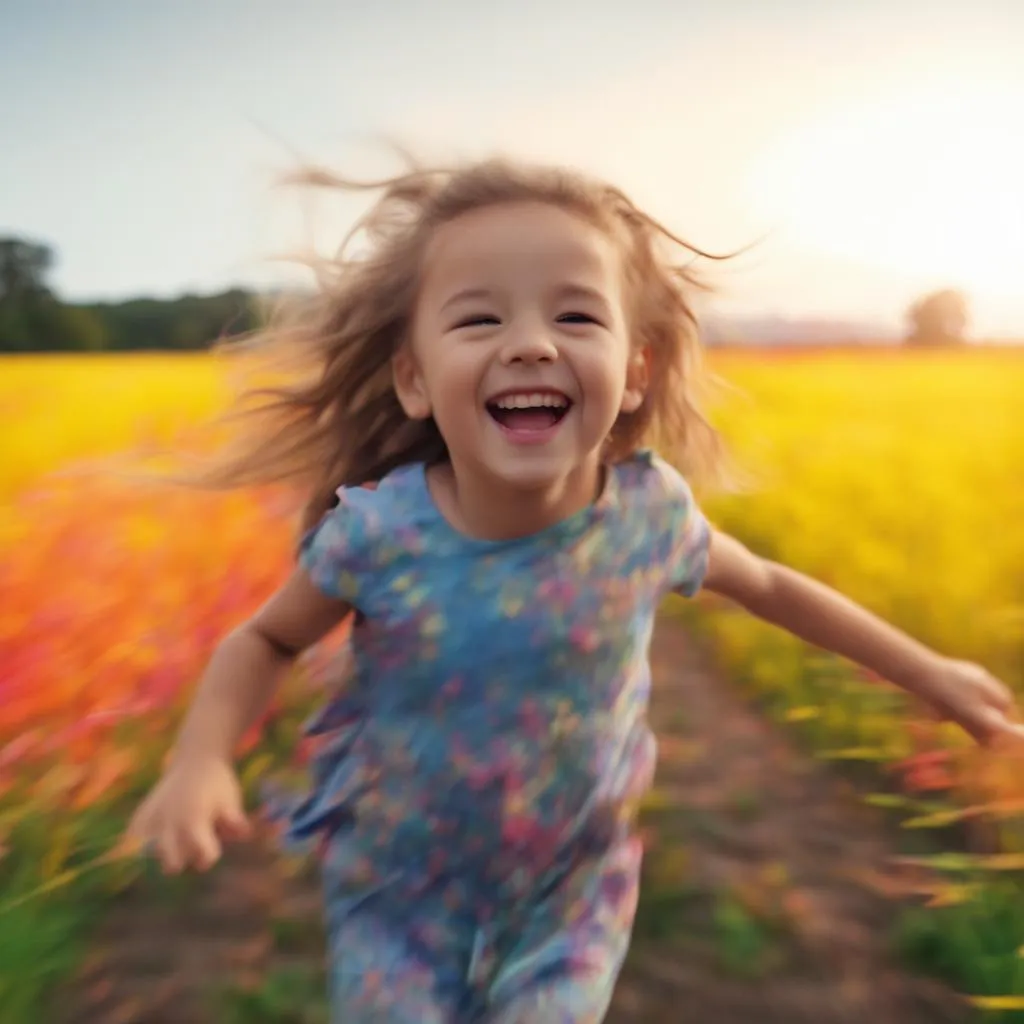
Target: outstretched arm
198 801
816 613
248 664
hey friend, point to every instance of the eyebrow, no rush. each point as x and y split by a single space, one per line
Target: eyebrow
466 295
564 291
581 291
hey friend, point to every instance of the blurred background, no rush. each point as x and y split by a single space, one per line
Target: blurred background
819 850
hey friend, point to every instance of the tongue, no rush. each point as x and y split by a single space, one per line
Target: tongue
527 419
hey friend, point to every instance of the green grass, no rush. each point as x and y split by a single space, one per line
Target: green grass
287 995
44 931
747 945
977 944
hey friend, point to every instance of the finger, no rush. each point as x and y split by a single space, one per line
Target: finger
1010 733
204 846
137 834
233 823
999 695
170 851
979 722
991 725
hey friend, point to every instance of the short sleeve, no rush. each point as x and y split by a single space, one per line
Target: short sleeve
686 532
338 552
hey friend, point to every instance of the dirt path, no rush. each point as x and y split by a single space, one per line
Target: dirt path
751 909
774 927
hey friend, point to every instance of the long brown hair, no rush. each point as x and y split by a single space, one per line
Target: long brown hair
329 416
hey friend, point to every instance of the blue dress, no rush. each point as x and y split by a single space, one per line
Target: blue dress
476 783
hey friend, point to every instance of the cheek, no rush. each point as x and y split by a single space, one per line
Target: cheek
453 380
606 372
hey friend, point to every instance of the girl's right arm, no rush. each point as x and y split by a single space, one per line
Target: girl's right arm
198 800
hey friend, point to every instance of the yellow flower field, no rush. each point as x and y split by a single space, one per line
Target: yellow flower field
896 478
57 409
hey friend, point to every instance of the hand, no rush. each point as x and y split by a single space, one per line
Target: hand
966 694
188 814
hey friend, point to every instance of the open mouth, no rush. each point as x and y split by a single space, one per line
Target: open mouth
529 411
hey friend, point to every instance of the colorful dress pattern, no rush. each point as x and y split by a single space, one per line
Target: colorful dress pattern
475 782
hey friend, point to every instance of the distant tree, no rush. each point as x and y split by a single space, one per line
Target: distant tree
71 328
938 319
23 268
24 296
186 323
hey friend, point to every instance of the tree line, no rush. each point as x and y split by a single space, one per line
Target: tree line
33 318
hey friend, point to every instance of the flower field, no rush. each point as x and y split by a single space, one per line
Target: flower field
112 594
895 477
892 476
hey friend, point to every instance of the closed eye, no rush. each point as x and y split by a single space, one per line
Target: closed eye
476 321
578 318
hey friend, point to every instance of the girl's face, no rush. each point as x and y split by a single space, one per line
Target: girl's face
520 346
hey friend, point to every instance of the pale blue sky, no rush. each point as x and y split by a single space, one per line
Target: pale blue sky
140 138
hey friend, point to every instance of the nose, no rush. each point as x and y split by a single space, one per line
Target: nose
529 344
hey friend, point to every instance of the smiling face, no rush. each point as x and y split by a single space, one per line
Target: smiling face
520 346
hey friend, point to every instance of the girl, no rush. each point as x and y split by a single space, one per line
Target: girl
498 362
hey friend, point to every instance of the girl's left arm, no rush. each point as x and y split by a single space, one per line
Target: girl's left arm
958 690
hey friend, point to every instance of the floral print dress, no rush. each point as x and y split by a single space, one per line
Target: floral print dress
475 783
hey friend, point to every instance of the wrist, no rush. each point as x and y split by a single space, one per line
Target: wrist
919 675
191 758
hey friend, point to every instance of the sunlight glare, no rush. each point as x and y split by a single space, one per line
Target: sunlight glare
928 183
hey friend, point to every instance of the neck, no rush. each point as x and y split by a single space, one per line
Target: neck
493 510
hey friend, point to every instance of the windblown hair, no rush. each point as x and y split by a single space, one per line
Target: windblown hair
331 417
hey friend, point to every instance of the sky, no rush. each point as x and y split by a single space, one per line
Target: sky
871 148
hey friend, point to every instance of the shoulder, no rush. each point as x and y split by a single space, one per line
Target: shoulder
666 520
377 506
646 479
368 529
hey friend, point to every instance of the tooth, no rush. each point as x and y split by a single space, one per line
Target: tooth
532 400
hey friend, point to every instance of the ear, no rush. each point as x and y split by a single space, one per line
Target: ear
638 375
409 384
